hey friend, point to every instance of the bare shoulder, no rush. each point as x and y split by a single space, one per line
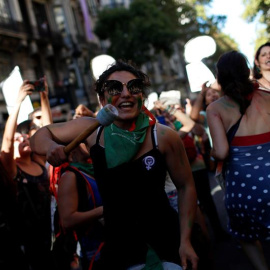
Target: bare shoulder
67 178
225 107
217 105
167 137
165 132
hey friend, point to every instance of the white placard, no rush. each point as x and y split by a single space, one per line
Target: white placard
10 88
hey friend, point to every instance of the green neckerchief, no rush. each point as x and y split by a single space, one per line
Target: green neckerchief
153 262
85 167
122 145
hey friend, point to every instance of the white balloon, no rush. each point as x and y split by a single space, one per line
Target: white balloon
198 73
100 63
198 48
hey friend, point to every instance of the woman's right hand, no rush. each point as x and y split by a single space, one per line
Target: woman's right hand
25 90
56 155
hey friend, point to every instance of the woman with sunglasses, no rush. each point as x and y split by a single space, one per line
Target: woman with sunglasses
131 158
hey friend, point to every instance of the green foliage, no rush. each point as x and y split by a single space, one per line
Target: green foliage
258 9
149 27
136 31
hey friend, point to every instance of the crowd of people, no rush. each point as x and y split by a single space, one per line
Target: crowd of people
135 194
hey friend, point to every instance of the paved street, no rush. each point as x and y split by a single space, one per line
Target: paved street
228 255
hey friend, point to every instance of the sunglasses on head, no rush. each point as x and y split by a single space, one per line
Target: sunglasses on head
114 87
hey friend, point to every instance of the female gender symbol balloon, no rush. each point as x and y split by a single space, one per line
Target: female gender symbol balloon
100 63
195 50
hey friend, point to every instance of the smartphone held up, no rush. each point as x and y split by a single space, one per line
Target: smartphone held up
39 85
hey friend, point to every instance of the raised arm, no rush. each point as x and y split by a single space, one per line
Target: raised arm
45 105
186 121
180 172
198 106
50 140
7 149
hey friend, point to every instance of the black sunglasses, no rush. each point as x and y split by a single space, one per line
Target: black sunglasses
114 87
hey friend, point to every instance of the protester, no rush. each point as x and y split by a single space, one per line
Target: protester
261 69
32 182
208 94
130 171
241 116
80 210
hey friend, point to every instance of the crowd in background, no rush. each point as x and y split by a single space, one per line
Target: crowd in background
52 216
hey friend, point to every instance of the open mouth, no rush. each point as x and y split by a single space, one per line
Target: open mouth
126 105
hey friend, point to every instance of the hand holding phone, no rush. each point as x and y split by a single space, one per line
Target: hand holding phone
38 85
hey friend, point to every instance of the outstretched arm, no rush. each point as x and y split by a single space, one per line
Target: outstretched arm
198 106
180 172
45 105
51 140
7 151
186 121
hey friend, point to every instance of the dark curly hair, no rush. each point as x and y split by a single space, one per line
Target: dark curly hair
256 71
233 75
121 65
26 126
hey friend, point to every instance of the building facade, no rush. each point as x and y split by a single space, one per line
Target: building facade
50 38
55 38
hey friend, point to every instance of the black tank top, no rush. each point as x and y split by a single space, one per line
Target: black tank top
137 212
34 202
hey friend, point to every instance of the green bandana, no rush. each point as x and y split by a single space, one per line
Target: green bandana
152 261
85 167
122 145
